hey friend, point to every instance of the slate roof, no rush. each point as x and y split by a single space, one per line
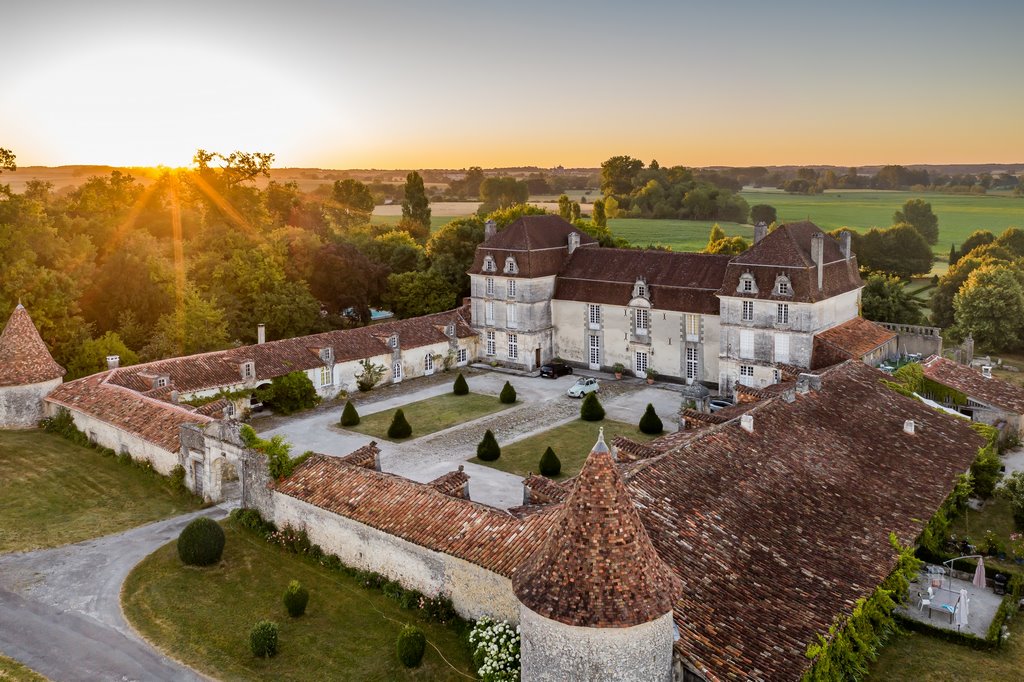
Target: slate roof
685 282
597 567
855 338
539 243
787 251
24 358
774 533
971 383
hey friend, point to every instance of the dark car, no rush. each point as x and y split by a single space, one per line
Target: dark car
555 369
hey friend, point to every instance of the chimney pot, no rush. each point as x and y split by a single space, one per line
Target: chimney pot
818 255
908 426
261 333
747 423
986 371
845 240
574 241
807 382
113 361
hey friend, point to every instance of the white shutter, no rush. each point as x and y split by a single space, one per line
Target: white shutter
782 348
746 343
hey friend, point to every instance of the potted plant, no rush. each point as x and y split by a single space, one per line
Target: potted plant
650 375
1017 547
618 368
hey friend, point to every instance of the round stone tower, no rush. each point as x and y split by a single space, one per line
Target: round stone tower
27 372
596 599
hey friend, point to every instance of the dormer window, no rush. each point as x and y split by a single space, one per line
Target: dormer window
450 330
640 289
393 341
510 266
783 286
489 264
327 355
159 382
248 370
747 285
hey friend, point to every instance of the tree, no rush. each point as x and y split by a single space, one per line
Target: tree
289 393
717 234
460 387
976 239
236 167
1012 239
564 207
345 278
508 394
416 206
487 450
617 175
349 416
990 307
398 251
574 211
952 255
7 160
763 213
550 465
885 299
91 356
599 217
399 428
295 599
352 203
948 287
729 245
451 251
918 213
498 193
469 186
591 410
411 294
899 251
650 422
198 326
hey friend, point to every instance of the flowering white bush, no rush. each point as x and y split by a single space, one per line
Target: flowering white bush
495 650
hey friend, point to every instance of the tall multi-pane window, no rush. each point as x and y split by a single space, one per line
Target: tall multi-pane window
463 356
428 363
326 378
640 362
396 371
595 351
782 313
746 343
748 311
513 346
490 343
693 327
510 315
593 313
643 320
782 348
510 288
747 375
691 363
489 308
490 286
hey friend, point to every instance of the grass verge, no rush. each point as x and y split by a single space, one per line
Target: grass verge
572 443
12 671
431 415
347 633
53 492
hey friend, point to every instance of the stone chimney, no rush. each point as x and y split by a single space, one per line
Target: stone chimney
818 255
807 382
760 231
113 361
174 397
844 243
747 423
986 371
490 229
909 426
261 333
574 241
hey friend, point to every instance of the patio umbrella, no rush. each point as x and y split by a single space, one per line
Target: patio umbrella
961 610
979 574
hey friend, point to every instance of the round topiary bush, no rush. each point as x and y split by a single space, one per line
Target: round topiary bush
411 645
201 543
550 465
295 599
591 410
650 423
487 449
508 394
263 639
399 426
460 387
349 416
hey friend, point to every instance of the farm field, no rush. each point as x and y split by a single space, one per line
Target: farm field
680 235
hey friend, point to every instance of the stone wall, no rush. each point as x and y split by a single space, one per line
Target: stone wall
552 651
21 407
916 339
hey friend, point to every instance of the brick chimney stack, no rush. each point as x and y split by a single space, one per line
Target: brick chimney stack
261 333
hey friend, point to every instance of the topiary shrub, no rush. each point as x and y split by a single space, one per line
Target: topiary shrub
201 543
508 394
650 423
263 639
591 410
411 645
460 387
349 416
399 426
295 599
487 449
550 465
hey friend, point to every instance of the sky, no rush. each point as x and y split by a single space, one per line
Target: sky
450 84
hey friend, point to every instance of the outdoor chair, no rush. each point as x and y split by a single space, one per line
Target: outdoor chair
927 601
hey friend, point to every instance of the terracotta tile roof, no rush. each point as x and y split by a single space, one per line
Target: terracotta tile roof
148 418
454 483
971 383
627 450
597 567
542 490
24 358
368 456
213 408
494 539
855 338
777 532
686 282
540 245
787 251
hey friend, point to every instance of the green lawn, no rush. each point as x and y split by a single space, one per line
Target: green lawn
203 617
431 415
12 671
436 222
53 492
681 235
572 443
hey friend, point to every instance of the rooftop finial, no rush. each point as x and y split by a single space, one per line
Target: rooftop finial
600 445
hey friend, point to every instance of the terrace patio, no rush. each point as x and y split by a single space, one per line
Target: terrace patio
982 604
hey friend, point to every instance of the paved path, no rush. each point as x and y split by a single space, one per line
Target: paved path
60 609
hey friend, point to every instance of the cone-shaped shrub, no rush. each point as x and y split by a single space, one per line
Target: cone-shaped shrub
487 449
201 543
411 645
460 387
508 394
263 639
349 416
550 465
591 410
650 423
295 599
399 426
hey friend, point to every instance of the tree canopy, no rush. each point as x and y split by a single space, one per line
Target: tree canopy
885 299
416 206
918 214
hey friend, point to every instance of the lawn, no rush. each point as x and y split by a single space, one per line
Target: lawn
431 415
680 235
54 492
916 656
347 633
572 443
12 671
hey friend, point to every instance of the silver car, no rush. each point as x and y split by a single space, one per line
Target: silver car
583 386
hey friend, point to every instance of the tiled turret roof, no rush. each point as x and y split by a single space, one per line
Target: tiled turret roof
24 358
597 566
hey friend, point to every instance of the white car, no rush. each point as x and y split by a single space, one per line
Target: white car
583 386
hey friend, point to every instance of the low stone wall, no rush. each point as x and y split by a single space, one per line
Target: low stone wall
109 436
21 407
912 338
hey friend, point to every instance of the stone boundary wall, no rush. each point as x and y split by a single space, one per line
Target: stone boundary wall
915 338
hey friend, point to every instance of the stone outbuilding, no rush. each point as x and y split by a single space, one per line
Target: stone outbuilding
27 372
977 395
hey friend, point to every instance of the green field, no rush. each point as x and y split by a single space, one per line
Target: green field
680 235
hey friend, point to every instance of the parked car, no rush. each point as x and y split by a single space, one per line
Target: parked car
717 404
555 369
583 386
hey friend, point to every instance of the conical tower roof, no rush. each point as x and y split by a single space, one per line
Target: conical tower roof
597 567
24 358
